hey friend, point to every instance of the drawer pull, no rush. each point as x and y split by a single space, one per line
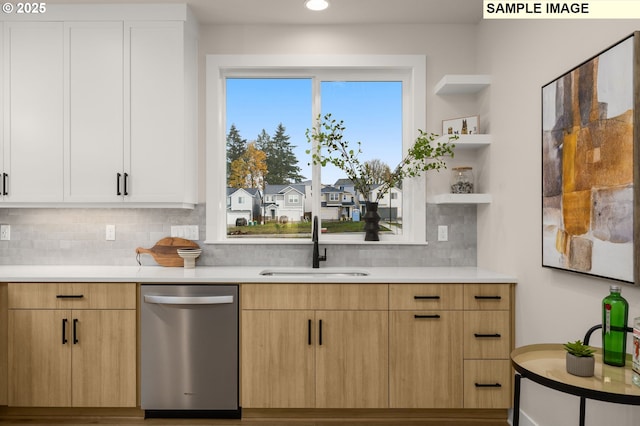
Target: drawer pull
64 331
320 332
426 297
69 296
486 335
436 316
488 385
488 297
309 342
75 331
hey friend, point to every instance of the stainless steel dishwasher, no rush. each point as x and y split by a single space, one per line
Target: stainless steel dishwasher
189 351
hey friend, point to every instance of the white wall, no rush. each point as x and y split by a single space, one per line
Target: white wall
551 306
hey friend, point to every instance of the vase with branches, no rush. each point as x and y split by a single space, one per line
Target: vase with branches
330 147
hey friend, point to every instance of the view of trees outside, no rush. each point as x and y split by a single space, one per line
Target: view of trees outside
268 170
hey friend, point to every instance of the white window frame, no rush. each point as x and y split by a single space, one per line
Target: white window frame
410 69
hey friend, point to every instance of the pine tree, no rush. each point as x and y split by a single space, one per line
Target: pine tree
282 163
236 147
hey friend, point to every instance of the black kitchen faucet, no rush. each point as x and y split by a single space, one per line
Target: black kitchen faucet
316 250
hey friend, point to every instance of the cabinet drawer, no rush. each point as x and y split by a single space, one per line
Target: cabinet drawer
425 296
492 297
315 296
487 335
487 384
72 296
275 296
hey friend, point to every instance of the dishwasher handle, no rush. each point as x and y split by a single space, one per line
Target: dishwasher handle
188 300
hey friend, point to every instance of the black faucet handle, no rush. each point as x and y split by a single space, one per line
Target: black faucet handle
323 258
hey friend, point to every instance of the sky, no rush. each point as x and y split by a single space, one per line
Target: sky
371 111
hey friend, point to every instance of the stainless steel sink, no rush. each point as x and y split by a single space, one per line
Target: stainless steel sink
312 273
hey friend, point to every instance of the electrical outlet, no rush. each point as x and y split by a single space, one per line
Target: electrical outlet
443 233
189 232
5 232
110 234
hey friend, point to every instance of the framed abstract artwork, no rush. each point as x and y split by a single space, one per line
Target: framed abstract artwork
590 170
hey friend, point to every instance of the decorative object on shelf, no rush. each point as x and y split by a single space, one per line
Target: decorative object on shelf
615 313
590 141
427 153
165 251
461 126
580 360
462 180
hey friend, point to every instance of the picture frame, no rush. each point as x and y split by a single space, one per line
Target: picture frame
590 170
461 126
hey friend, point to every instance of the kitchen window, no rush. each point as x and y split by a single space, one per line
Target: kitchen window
320 84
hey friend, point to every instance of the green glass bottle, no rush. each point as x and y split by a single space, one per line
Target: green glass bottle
615 312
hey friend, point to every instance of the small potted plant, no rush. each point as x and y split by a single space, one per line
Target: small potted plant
580 360
427 153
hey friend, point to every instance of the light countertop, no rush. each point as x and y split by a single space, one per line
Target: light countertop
247 274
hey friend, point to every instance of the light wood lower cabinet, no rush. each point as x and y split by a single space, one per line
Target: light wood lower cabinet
399 346
314 346
426 366
278 359
72 345
449 345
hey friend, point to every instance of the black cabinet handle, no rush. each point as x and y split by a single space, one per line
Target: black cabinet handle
64 331
309 342
436 316
75 331
118 176
5 190
478 335
488 385
426 297
320 332
488 297
69 296
126 177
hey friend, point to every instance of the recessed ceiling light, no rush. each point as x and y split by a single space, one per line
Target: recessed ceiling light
316 4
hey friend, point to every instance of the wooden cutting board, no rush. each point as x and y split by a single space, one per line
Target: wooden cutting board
165 252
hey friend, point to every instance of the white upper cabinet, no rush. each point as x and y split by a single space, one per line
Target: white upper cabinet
94 143
100 108
155 148
32 78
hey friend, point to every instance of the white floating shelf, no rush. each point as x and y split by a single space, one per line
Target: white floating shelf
468 141
456 84
461 199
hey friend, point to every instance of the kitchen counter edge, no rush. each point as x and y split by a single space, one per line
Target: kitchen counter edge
244 274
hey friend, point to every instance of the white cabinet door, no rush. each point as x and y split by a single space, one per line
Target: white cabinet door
94 138
33 111
155 141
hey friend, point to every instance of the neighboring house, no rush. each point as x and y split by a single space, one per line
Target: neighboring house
284 202
243 203
336 203
389 206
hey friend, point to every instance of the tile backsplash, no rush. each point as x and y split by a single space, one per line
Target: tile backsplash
59 236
